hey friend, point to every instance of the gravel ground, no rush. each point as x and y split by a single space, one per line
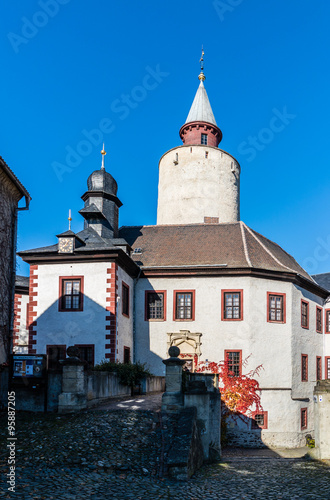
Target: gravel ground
117 454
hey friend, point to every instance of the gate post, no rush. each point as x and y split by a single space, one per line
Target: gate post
172 399
322 419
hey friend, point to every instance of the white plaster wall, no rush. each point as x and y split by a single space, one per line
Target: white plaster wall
276 346
197 187
252 335
283 423
69 328
125 325
305 341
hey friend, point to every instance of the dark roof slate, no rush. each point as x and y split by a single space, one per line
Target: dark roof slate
90 239
22 281
323 280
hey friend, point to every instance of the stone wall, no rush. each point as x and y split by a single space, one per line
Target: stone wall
104 385
184 451
9 197
99 386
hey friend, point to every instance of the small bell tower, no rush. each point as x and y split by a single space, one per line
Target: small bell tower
101 203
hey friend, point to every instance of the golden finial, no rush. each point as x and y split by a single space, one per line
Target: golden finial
70 219
103 153
201 76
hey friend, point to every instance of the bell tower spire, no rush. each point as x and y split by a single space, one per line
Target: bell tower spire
200 126
198 182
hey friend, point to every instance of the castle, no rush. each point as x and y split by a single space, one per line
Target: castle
199 279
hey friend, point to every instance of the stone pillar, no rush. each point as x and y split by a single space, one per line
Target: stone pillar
322 420
198 397
172 399
203 393
73 396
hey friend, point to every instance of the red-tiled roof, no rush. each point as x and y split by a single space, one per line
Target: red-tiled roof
232 245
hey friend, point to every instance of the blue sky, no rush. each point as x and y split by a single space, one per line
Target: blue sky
70 67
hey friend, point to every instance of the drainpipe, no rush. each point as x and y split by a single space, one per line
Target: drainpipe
134 314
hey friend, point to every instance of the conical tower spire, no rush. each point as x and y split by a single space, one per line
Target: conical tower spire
200 126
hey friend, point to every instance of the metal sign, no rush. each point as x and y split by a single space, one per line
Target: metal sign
28 366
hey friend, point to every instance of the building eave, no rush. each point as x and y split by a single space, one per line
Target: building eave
118 255
221 270
19 186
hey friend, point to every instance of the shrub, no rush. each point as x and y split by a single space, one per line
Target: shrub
129 374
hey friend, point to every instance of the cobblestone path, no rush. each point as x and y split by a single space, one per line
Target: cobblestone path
117 455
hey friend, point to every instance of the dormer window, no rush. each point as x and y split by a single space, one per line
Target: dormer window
204 139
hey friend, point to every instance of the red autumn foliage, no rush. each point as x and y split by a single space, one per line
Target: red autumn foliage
238 393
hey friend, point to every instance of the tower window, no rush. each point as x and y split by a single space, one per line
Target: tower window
206 154
204 139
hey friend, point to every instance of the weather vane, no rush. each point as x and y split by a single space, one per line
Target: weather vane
69 219
103 153
202 59
201 76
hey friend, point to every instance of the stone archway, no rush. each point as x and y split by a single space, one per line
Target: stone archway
189 344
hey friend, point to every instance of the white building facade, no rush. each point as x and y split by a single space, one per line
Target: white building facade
200 279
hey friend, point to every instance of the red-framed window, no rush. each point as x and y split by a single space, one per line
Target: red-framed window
318 319
127 355
304 314
86 353
55 353
125 299
327 367
184 305
327 320
155 305
259 420
276 307
303 418
318 368
232 305
234 360
71 293
304 368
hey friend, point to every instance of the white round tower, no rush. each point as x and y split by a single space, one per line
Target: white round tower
198 183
